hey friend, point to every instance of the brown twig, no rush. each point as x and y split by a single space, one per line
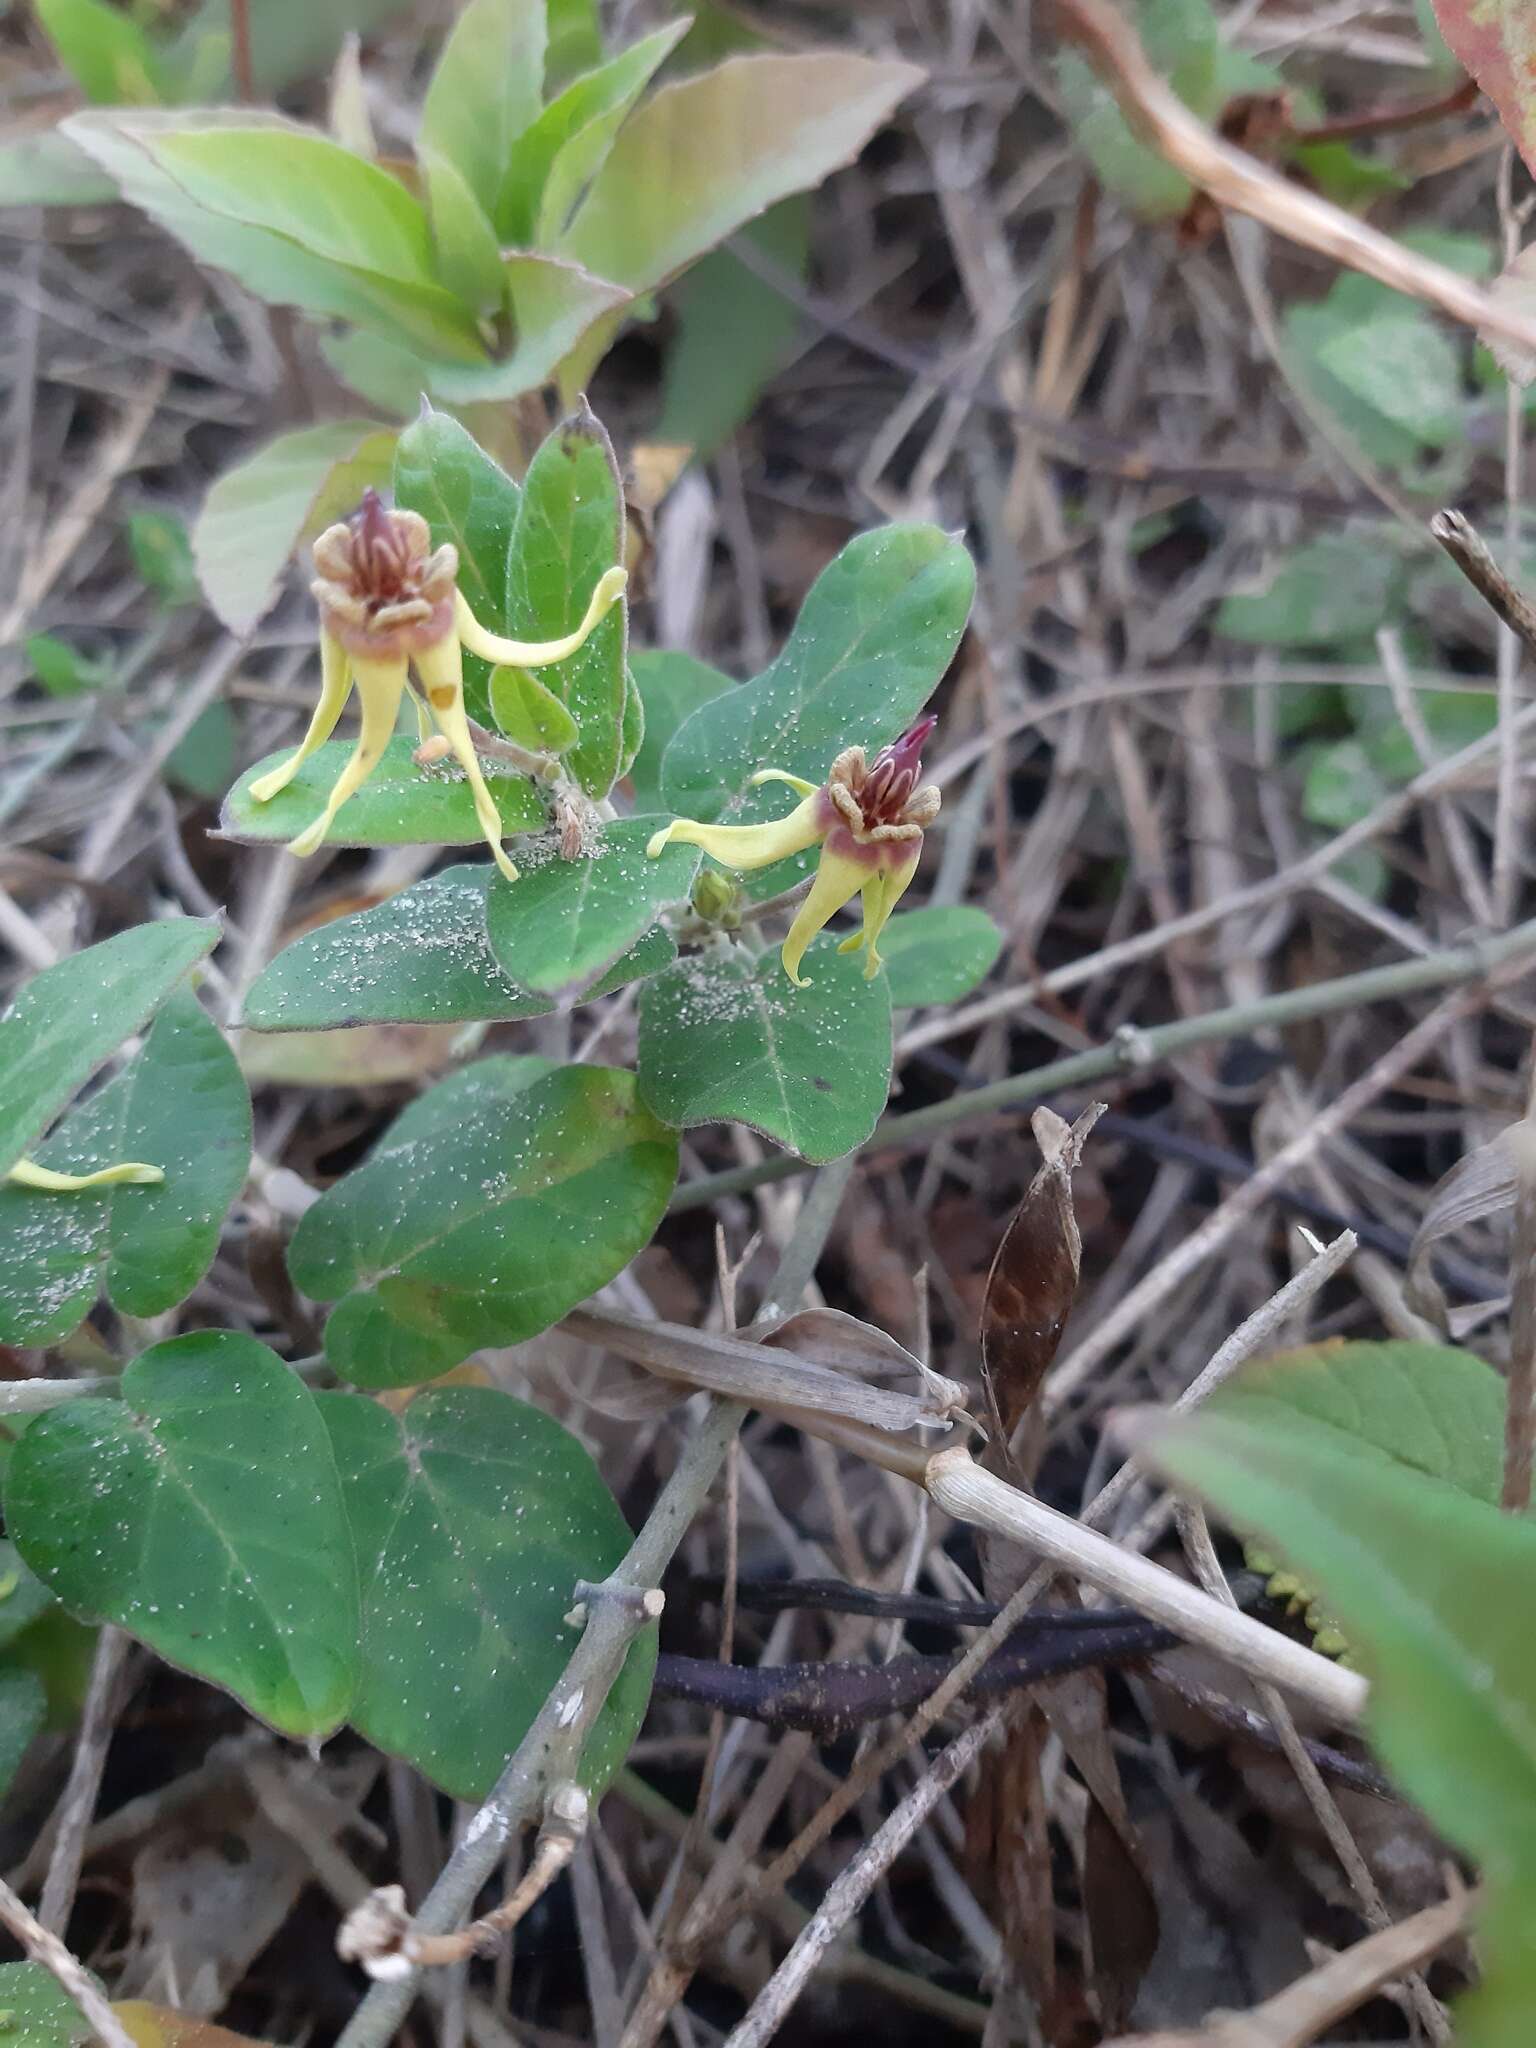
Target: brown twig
241 62
1392 120
1474 558
47 1949
1160 118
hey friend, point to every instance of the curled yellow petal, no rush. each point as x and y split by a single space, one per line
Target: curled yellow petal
335 683
881 892
747 846
132 1173
797 783
441 670
380 685
538 653
838 880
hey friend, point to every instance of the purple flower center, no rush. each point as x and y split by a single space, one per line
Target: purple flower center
894 774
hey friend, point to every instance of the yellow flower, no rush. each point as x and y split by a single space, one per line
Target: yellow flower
868 819
387 601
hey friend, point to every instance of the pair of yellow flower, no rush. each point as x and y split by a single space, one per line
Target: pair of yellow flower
388 601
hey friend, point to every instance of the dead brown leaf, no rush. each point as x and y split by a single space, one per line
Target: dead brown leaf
1033 1281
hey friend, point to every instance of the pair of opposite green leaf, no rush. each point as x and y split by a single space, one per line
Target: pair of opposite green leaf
326 1560
1374 1469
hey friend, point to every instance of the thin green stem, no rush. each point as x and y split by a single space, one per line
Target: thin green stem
1131 1050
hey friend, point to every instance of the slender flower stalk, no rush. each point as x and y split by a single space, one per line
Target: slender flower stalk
867 817
389 601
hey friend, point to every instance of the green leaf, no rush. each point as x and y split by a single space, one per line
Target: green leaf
468 254
555 304
105 51
530 713
443 473
1430 1584
288 43
263 508
874 636
939 954
732 331
179 1104
1342 785
563 921
64 671
203 1513
1347 177
47 169
577 127
724 1037
1123 165
23 1596
23 1710
399 805
162 553
575 39
570 529
474 1516
499 1200
1322 594
632 724
70 1017
421 958
298 219
203 759
1406 369
38 2013
487 87
672 687
707 154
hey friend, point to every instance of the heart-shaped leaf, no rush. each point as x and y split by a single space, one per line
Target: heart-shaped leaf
570 530
725 1037
70 1017
179 1104
939 954
499 1200
203 1513
563 921
400 804
474 1516
873 638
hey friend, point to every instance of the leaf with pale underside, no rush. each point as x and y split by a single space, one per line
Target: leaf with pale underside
203 1513
298 219
706 155
260 510
474 1516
